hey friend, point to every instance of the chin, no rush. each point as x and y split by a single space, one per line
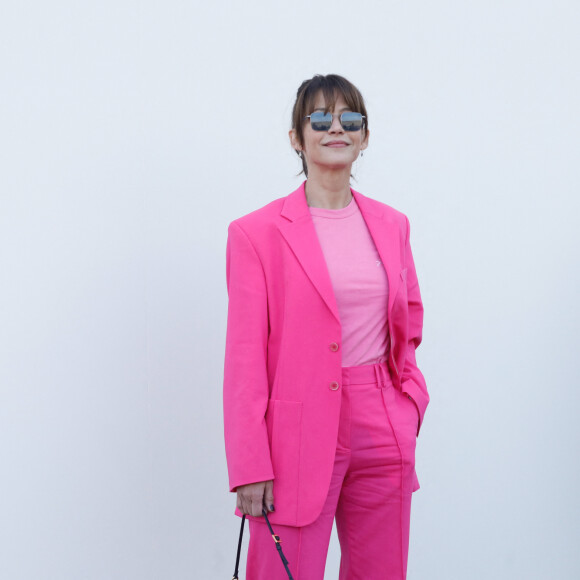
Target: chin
341 161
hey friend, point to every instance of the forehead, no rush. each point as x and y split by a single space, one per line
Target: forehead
319 102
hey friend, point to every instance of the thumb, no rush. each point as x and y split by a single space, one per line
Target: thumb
269 496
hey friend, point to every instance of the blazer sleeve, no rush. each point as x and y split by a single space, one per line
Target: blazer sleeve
245 388
412 380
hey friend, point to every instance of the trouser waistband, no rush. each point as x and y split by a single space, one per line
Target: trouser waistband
375 373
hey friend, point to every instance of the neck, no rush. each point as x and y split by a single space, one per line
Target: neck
328 190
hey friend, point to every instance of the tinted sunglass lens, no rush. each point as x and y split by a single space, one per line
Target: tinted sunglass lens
321 121
351 121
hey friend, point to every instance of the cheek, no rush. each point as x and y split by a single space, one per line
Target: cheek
360 137
310 143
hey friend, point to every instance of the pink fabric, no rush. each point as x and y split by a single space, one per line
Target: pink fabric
359 281
369 493
283 362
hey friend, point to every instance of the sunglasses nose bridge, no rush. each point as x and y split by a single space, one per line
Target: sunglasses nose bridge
336 125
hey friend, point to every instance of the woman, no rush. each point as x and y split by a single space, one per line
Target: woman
323 399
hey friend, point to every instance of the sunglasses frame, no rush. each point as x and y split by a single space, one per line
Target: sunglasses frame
340 120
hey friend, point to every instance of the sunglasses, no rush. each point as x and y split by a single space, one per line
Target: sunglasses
349 121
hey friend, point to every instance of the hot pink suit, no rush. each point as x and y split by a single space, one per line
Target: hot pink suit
283 366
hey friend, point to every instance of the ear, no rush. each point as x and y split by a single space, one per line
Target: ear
365 142
294 140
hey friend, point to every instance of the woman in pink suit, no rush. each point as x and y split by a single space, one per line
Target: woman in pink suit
323 399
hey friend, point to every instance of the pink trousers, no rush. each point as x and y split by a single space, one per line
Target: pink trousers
369 494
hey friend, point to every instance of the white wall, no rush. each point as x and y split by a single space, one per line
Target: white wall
132 132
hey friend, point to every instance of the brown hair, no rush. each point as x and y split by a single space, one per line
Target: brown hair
331 86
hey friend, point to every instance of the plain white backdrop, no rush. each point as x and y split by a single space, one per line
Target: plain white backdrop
133 132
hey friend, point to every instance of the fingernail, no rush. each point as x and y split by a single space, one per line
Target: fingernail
272 508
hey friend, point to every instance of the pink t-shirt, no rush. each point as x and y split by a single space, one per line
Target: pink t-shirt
359 280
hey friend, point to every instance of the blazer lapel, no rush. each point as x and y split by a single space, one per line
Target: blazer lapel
298 230
385 234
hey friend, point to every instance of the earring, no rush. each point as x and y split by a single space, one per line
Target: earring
361 153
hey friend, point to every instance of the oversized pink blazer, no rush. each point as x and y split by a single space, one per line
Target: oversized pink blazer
282 367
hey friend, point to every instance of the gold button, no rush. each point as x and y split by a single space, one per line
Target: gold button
333 346
334 385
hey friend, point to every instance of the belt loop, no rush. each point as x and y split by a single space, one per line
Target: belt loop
379 374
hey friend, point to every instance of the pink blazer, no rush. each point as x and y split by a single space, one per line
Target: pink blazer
281 404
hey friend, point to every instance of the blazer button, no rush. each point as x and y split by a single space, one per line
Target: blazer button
333 385
333 346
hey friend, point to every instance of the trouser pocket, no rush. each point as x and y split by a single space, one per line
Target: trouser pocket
404 416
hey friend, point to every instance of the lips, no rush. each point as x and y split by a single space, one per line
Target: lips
336 144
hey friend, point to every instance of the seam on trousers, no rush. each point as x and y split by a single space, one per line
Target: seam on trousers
350 545
400 485
298 553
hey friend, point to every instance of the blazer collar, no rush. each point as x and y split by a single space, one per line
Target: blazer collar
295 206
298 230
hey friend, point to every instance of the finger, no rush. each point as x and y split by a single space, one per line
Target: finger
247 505
240 502
269 496
257 501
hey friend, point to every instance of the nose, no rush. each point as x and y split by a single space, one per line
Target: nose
335 126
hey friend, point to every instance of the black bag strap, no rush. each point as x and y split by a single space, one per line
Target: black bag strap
276 539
